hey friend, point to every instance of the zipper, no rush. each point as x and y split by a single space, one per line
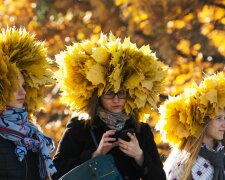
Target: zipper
104 175
107 173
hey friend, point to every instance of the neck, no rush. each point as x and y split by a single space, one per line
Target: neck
208 141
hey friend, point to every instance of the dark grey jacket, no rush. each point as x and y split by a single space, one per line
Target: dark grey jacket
12 169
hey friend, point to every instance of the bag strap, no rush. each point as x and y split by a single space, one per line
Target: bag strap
94 138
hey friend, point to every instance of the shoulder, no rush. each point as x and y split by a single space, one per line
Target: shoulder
145 133
75 122
77 126
176 171
145 128
173 166
144 125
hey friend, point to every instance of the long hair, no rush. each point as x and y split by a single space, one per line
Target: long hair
187 152
192 146
91 110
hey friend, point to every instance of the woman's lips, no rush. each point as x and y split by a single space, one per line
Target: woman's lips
116 106
21 100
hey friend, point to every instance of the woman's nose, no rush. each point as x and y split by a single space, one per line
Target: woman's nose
22 90
116 98
223 125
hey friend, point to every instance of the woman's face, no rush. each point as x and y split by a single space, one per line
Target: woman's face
216 127
19 95
114 102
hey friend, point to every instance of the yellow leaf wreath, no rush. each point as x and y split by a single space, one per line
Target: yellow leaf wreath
183 116
108 63
21 52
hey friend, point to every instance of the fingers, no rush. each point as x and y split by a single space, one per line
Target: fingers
129 148
123 144
131 136
106 137
105 140
109 132
114 144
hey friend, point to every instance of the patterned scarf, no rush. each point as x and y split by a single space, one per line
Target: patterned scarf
14 126
114 121
216 158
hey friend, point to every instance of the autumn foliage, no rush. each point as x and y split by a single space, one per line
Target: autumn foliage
189 36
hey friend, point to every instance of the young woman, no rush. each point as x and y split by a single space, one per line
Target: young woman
199 153
108 107
24 149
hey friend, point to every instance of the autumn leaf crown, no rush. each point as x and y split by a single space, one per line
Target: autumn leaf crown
183 116
21 52
108 63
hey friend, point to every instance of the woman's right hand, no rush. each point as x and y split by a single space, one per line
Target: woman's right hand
106 143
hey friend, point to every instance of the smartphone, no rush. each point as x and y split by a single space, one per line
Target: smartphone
123 134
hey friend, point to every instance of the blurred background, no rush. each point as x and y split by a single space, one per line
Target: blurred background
189 36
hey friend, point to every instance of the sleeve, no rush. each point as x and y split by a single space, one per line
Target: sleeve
152 167
70 152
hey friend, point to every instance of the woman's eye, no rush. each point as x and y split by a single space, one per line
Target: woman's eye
109 93
220 119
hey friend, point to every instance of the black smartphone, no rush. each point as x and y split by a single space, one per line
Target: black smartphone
123 134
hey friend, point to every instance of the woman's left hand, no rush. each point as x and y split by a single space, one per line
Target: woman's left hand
132 148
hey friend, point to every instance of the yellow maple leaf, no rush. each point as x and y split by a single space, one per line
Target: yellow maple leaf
96 75
101 55
133 81
211 96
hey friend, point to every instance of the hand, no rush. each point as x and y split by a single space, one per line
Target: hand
132 148
106 143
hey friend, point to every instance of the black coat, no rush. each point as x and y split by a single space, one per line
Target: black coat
12 169
76 146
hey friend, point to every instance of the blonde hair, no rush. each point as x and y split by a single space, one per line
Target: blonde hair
192 146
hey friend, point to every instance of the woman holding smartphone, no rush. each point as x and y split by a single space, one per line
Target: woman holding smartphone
110 81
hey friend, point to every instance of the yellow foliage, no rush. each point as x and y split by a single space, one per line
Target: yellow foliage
107 64
183 116
155 22
184 46
184 73
218 39
209 13
21 52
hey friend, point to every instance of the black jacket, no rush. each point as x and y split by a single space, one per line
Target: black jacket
12 169
76 146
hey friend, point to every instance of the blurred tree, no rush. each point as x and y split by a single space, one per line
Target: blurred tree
189 36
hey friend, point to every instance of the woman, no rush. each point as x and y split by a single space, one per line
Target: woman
98 78
25 150
194 123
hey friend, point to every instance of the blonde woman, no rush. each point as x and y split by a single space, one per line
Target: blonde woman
24 71
194 124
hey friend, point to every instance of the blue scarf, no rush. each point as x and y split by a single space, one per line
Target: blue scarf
14 126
